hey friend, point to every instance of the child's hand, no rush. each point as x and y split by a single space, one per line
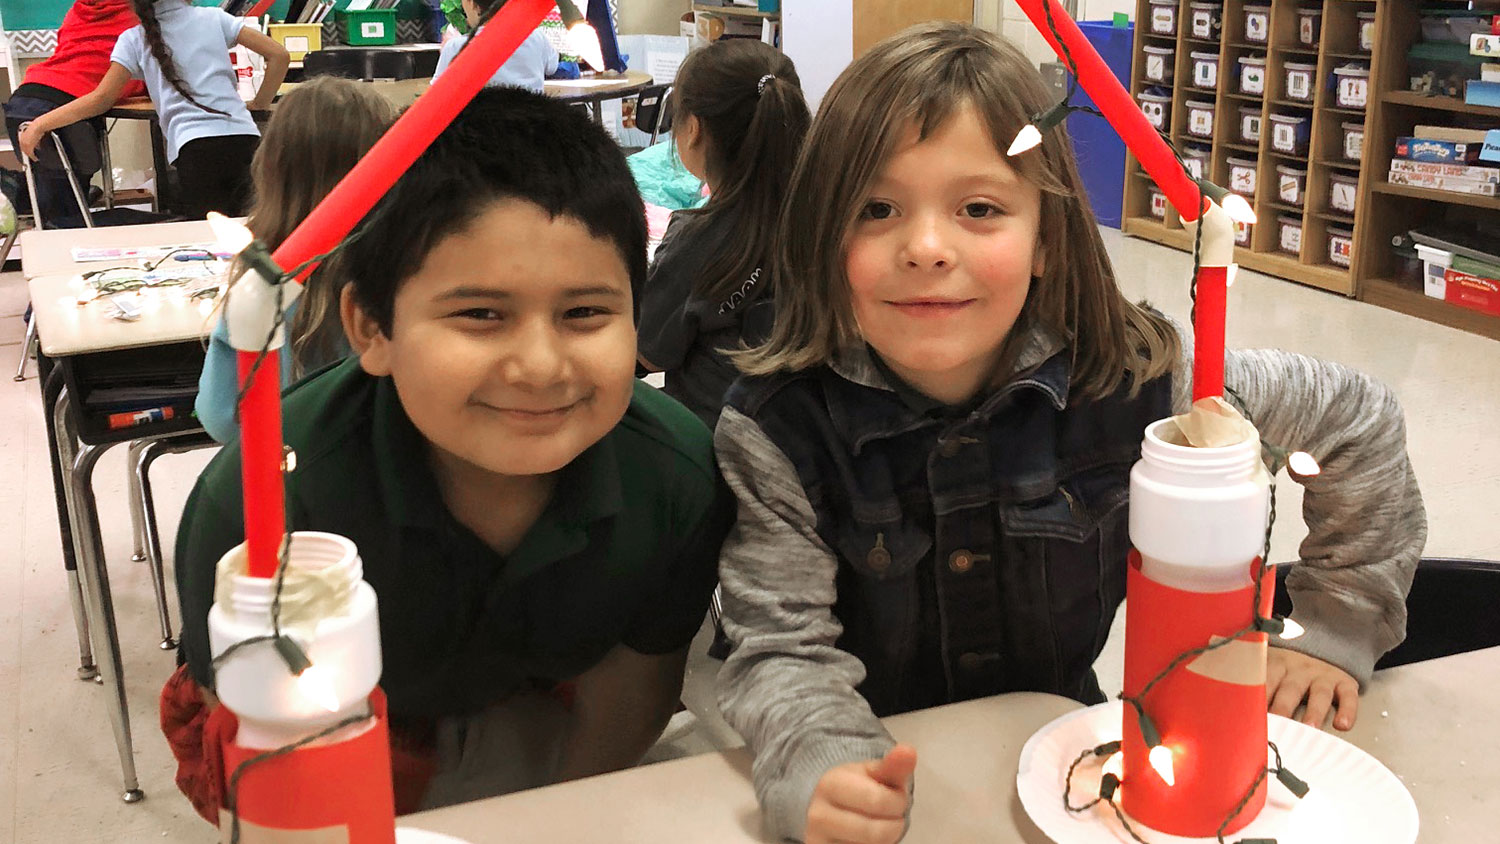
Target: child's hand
29 137
863 802
1292 678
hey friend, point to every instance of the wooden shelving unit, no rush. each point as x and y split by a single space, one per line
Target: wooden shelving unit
1337 45
737 11
1388 210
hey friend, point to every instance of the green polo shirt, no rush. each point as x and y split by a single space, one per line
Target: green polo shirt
626 552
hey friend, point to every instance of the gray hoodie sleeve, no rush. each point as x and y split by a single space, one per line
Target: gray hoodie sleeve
786 687
1365 520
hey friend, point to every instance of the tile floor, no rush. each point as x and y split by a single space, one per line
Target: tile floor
59 775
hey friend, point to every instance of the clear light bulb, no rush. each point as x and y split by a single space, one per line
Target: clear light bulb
232 235
1026 139
317 686
1290 629
1115 764
1161 761
1238 208
1303 464
583 41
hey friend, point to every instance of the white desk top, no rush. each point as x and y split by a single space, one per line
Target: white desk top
1431 723
66 328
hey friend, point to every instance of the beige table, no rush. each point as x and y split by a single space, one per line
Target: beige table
1431 723
50 252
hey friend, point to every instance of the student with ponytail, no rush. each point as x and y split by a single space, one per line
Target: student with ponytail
527 68
182 53
739 123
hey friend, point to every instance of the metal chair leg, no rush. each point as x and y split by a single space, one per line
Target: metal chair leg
137 508
78 194
107 169
97 595
142 474
36 201
64 449
26 347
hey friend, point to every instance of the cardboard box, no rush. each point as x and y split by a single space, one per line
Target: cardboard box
1459 171
1439 152
1473 292
1447 183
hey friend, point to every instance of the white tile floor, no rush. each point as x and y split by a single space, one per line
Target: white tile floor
59 775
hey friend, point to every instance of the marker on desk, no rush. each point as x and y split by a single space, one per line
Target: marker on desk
133 418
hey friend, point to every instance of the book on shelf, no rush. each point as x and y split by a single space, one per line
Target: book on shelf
1452 134
1437 150
1471 291
1447 183
1475 172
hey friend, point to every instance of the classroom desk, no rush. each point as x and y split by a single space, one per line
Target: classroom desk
593 90
70 337
1428 722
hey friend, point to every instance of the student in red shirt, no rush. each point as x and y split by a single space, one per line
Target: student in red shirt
84 42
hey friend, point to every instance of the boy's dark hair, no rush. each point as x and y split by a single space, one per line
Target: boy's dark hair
506 144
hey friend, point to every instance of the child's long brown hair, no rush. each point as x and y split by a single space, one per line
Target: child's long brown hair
748 102
919 78
162 51
316 135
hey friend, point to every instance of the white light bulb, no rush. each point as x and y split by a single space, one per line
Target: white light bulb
1115 764
1302 463
583 41
232 236
1290 629
317 686
1238 208
1161 761
1026 139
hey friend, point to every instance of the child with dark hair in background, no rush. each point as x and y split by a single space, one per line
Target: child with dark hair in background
182 53
541 528
303 156
738 123
528 67
84 41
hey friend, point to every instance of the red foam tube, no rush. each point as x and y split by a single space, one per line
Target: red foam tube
1210 711
1208 332
335 216
1111 98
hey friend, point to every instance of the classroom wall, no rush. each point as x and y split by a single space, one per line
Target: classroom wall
1006 18
650 17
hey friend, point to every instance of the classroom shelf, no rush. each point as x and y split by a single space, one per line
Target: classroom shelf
1390 294
1490 202
1353 166
1278 264
738 11
1241 147
1347 112
1335 217
1454 104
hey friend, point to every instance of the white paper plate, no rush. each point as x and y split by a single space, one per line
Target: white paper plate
407 835
1353 796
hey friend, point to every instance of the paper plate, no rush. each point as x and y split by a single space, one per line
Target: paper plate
1353 796
406 835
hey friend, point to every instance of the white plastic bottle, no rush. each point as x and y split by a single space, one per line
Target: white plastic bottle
274 707
1197 515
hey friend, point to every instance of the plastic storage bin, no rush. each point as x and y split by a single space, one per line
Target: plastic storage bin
1342 191
1366 22
1289 234
1242 233
299 39
1309 25
1353 85
1299 81
1257 23
370 27
1205 69
1354 139
1163 17
1291 184
1158 204
1341 245
1253 75
1200 118
1159 61
1250 124
1242 174
1289 133
1196 158
1157 107
1207 19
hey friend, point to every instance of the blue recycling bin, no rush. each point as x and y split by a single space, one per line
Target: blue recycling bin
1100 152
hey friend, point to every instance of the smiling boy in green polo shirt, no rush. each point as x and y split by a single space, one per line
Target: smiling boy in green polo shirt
541 529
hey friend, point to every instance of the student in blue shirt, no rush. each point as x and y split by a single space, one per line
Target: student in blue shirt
528 68
182 54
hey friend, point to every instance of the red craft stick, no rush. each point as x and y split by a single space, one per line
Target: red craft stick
335 216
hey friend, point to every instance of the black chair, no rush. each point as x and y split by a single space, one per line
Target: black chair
653 111
78 149
1450 609
346 63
